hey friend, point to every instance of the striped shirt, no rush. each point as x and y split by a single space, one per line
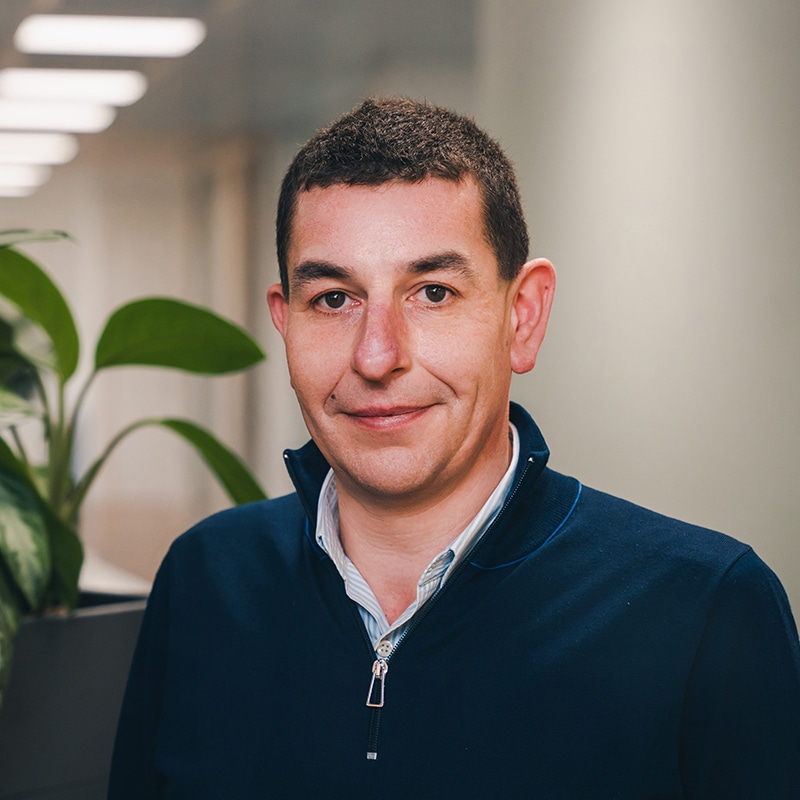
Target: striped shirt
383 635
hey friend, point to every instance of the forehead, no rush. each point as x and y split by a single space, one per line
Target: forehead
396 221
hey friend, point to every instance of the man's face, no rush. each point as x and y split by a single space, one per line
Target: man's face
397 333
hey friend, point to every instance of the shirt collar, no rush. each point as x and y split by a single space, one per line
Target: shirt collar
327 531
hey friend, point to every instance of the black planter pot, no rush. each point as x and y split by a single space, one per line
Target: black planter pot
59 715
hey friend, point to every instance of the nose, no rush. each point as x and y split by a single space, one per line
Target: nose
381 349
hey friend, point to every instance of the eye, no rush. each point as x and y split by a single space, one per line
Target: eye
332 300
435 293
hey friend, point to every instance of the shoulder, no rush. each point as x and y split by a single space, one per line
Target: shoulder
676 574
266 532
639 553
262 516
637 532
245 557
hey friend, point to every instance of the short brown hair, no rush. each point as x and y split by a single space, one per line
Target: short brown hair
398 139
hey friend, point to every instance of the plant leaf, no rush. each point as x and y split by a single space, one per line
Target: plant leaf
67 556
6 333
24 545
26 285
235 477
161 332
10 616
66 551
9 462
12 237
17 372
14 409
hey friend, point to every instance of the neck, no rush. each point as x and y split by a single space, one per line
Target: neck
392 540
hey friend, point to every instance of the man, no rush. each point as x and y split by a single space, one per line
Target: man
435 613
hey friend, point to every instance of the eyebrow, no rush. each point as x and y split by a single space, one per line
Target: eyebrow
450 261
309 271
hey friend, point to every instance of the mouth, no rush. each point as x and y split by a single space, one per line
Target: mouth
386 416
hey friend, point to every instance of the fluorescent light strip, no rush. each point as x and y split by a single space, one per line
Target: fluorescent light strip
23 176
17 191
115 87
41 116
109 36
37 148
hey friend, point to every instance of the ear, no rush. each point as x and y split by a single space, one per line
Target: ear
278 308
533 297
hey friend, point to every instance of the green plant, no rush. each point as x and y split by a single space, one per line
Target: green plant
40 550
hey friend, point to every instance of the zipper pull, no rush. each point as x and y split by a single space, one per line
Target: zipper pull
375 694
375 697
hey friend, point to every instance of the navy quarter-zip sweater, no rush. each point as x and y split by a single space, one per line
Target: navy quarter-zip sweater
587 648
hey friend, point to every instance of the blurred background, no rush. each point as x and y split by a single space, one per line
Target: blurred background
658 148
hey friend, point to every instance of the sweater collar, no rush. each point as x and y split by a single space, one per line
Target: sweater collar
538 506
307 466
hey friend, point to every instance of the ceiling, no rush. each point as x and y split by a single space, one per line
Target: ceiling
268 65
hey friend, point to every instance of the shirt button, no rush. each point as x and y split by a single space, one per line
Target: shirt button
384 648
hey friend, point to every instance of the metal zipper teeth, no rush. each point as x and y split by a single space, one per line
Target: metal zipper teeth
416 620
375 716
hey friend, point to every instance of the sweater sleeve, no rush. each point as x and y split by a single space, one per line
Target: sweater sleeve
741 717
133 772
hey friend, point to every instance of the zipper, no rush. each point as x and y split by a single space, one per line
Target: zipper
375 698
376 694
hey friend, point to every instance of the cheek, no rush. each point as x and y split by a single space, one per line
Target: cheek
470 354
308 366
317 360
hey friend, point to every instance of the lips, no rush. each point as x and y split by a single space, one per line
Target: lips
391 411
385 416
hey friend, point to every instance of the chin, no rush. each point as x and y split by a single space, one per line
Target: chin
392 475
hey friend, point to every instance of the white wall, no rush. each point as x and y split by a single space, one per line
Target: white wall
161 216
657 147
656 142
194 219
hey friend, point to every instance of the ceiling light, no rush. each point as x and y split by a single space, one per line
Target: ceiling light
42 116
23 176
17 191
109 36
116 87
37 148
